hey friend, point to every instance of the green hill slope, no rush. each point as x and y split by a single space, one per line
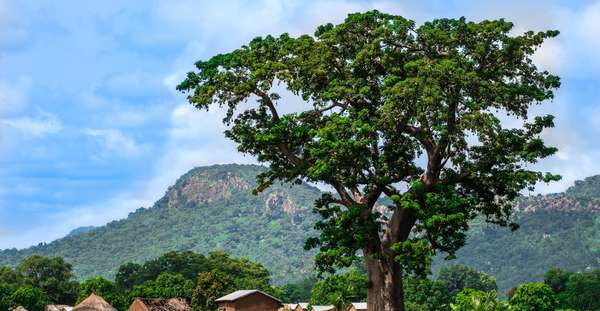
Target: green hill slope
556 230
212 208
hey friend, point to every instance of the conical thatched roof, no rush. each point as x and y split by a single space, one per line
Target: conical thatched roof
19 308
157 304
94 303
58 308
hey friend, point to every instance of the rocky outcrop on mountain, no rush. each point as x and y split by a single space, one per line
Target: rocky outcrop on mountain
205 188
557 202
583 196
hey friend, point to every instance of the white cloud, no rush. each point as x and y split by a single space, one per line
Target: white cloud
114 142
194 138
588 25
39 126
551 56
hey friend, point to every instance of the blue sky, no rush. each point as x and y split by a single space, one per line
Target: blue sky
91 127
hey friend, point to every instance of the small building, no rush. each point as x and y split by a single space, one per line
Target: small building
19 308
248 300
358 306
322 308
94 303
58 308
155 304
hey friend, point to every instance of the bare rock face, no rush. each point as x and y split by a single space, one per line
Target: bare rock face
280 201
202 188
557 202
218 184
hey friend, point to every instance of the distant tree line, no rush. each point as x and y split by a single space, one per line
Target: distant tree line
461 288
38 281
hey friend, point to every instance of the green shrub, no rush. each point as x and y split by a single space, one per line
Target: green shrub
476 300
31 298
534 296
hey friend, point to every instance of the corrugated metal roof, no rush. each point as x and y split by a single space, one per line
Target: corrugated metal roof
322 308
243 293
360 305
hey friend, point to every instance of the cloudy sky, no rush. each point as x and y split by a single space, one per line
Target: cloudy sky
91 127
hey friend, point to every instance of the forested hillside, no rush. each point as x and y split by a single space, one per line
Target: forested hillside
212 208
556 230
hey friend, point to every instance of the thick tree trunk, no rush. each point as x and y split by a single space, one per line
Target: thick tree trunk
384 292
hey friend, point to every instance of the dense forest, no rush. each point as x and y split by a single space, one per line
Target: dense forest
199 279
212 208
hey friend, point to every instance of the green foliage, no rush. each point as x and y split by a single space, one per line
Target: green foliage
245 273
9 276
187 264
104 288
585 189
476 300
426 295
195 277
380 93
128 275
458 277
340 289
546 238
557 279
52 275
299 291
581 291
5 292
31 298
209 287
167 285
535 296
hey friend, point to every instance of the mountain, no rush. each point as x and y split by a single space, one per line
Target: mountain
211 208
208 208
556 230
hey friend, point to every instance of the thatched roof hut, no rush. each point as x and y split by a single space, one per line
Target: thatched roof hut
19 308
156 304
94 303
58 308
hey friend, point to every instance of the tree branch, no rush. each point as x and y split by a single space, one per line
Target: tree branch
285 150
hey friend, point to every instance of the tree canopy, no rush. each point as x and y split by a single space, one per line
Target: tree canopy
31 298
533 296
106 289
54 276
458 277
340 290
389 108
